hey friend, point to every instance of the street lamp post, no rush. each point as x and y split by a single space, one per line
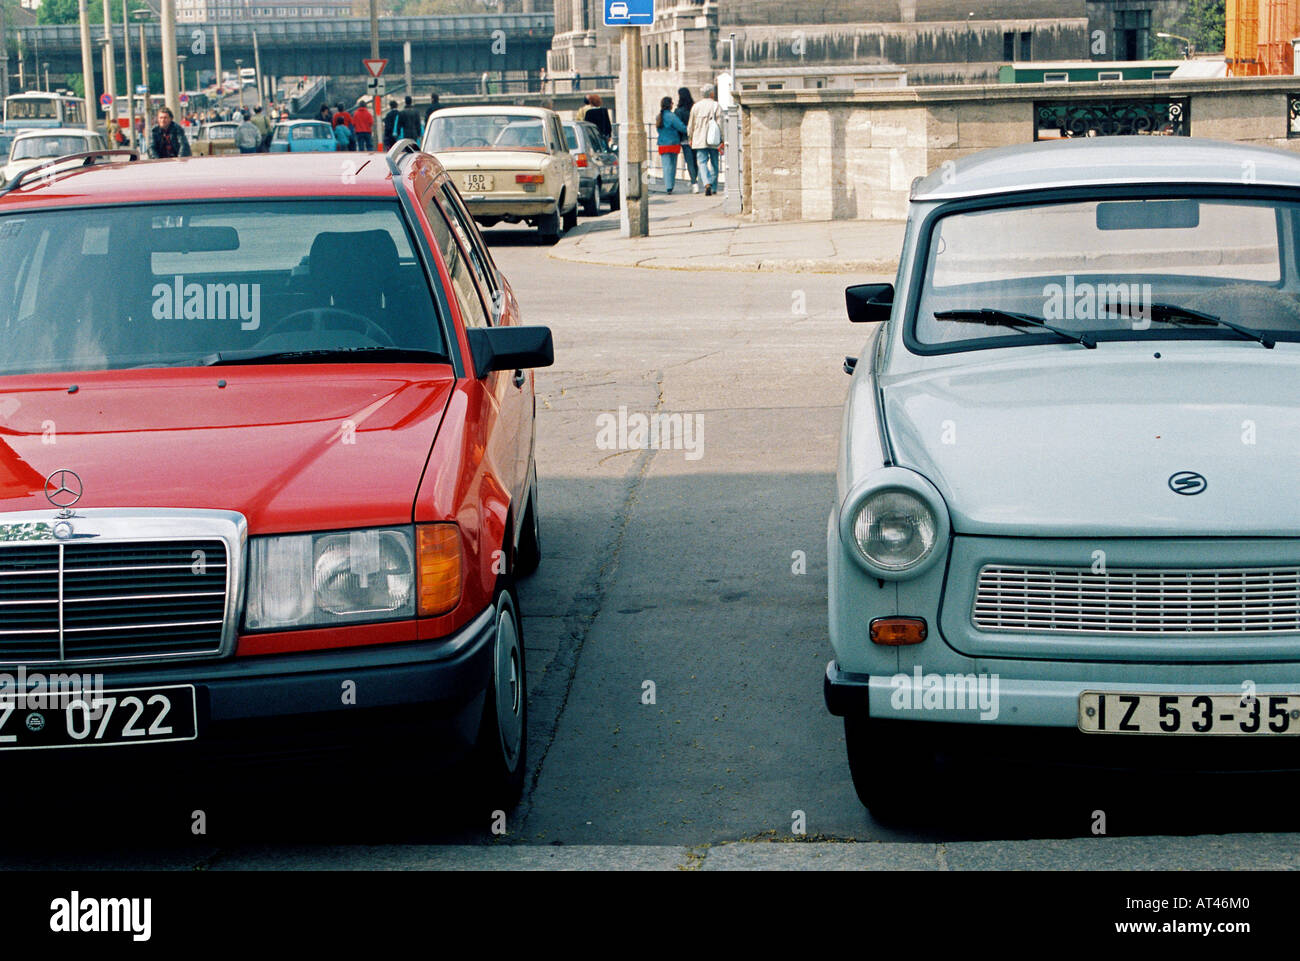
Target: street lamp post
169 63
46 65
142 16
1191 44
239 76
130 87
180 61
87 65
110 64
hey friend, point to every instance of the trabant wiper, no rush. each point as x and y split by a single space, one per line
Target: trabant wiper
1009 318
1173 313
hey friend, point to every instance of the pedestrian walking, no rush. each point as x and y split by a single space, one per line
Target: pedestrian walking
410 124
599 117
167 139
705 129
433 107
324 115
390 124
671 131
263 125
684 104
247 137
363 125
586 105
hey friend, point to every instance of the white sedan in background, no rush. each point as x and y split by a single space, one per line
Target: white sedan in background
32 147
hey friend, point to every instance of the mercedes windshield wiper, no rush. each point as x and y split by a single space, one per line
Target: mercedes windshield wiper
1173 313
379 354
1009 318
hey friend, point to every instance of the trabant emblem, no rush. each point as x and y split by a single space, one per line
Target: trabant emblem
1187 482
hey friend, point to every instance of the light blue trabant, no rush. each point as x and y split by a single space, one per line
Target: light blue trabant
1067 523
303 136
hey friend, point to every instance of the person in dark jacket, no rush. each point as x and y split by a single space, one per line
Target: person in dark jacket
433 107
390 124
599 116
409 123
684 104
167 139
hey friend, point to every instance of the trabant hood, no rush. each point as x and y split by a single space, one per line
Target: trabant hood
307 447
1067 442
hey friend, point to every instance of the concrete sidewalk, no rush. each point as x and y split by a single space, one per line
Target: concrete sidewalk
690 232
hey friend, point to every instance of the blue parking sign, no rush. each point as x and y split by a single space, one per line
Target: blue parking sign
629 13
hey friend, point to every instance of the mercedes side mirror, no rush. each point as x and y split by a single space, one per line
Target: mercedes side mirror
510 348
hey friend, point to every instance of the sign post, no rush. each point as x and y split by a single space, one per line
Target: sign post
375 86
634 211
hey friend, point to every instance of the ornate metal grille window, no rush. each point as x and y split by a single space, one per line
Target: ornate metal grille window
1160 116
1293 115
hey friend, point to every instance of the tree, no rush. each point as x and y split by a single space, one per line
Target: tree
1203 23
65 11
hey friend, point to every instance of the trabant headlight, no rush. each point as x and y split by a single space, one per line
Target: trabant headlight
894 523
320 580
895 530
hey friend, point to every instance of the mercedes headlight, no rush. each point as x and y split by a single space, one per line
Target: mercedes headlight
320 580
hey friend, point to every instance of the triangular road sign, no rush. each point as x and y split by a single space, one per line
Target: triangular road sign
375 67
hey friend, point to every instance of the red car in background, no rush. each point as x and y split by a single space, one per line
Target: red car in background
267 467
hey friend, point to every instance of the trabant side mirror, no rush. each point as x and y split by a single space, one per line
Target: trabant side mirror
869 303
510 348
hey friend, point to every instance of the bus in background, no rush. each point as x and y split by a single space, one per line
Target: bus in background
24 111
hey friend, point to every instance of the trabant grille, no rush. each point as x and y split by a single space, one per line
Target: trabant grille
70 602
1255 600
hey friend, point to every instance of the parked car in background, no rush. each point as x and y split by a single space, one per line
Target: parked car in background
1065 526
303 136
510 164
597 166
31 147
332 563
215 138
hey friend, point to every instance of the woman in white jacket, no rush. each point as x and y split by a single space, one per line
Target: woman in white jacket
704 126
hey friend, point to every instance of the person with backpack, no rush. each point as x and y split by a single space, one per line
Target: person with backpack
671 131
705 129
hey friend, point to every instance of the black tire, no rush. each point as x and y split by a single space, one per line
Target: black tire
548 228
614 201
498 772
571 218
591 206
894 766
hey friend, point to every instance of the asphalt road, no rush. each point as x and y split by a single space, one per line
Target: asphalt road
701 571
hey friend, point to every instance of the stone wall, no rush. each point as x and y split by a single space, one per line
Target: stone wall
743 12
844 155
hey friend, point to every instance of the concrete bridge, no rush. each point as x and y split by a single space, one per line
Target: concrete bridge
443 46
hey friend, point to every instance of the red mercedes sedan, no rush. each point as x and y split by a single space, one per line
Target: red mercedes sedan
267 467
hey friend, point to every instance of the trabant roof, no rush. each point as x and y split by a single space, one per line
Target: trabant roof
1108 161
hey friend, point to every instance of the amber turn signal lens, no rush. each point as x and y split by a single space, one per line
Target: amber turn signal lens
898 631
582 159
441 567
530 178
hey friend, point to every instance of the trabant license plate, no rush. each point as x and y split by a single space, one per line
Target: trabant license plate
477 183
1109 712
